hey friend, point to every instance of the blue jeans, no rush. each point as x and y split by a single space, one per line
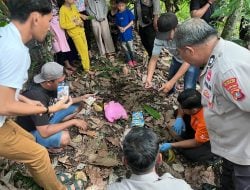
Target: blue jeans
190 77
54 141
128 48
60 115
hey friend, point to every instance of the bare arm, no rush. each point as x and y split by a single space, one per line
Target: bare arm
51 129
156 13
29 101
190 143
151 69
9 106
155 22
200 12
123 29
129 25
82 98
170 84
84 17
183 69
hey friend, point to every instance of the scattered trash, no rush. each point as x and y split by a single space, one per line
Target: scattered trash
80 166
97 107
81 175
137 119
114 111
90 100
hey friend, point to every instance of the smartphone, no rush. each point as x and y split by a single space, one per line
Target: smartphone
62 90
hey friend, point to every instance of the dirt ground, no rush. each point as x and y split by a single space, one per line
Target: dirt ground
95 155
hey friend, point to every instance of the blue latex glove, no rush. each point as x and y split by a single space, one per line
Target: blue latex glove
179 126
165 146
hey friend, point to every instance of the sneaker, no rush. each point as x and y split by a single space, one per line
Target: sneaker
130 63
134 63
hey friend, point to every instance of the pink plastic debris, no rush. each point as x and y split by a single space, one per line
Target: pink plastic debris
114 111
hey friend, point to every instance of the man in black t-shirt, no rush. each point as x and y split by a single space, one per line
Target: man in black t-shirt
51 131
202 9
147 13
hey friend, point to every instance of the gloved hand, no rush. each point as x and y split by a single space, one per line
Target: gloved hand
165 146
179 126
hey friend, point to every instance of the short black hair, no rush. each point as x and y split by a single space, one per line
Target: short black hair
21 9
140 149
121 1
190 99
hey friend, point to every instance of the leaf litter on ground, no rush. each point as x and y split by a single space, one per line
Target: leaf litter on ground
95 154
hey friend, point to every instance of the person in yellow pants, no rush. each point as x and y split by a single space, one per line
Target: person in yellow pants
72 21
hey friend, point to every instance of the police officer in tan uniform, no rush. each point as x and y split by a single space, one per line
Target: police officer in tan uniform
225 96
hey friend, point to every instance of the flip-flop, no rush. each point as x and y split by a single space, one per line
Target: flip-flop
58 152
78 185
64 177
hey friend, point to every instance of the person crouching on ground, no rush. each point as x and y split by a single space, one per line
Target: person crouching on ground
197 146
141 154
50 131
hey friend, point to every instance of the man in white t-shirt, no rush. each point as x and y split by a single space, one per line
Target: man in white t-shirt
141 154
29 20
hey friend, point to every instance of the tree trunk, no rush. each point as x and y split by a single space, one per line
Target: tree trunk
232 20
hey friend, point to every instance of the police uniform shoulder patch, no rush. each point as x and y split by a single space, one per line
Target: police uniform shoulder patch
232 86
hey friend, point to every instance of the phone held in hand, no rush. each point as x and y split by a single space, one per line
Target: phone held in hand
62 90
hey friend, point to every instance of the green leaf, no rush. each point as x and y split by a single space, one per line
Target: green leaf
3 23
152 112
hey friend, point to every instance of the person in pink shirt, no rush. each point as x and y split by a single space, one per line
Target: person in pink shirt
60 45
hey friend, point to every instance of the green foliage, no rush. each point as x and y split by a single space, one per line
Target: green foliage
4 14
27 182
152 112
184 12
40 54
226 8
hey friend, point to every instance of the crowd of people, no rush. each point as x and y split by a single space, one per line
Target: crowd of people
212 122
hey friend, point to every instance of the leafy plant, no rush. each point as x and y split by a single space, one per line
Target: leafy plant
152 112
4 14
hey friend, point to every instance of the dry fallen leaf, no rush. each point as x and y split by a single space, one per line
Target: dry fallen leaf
106 161
114 141
63 159
95 178
81 175
102 153
89 133
77 139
